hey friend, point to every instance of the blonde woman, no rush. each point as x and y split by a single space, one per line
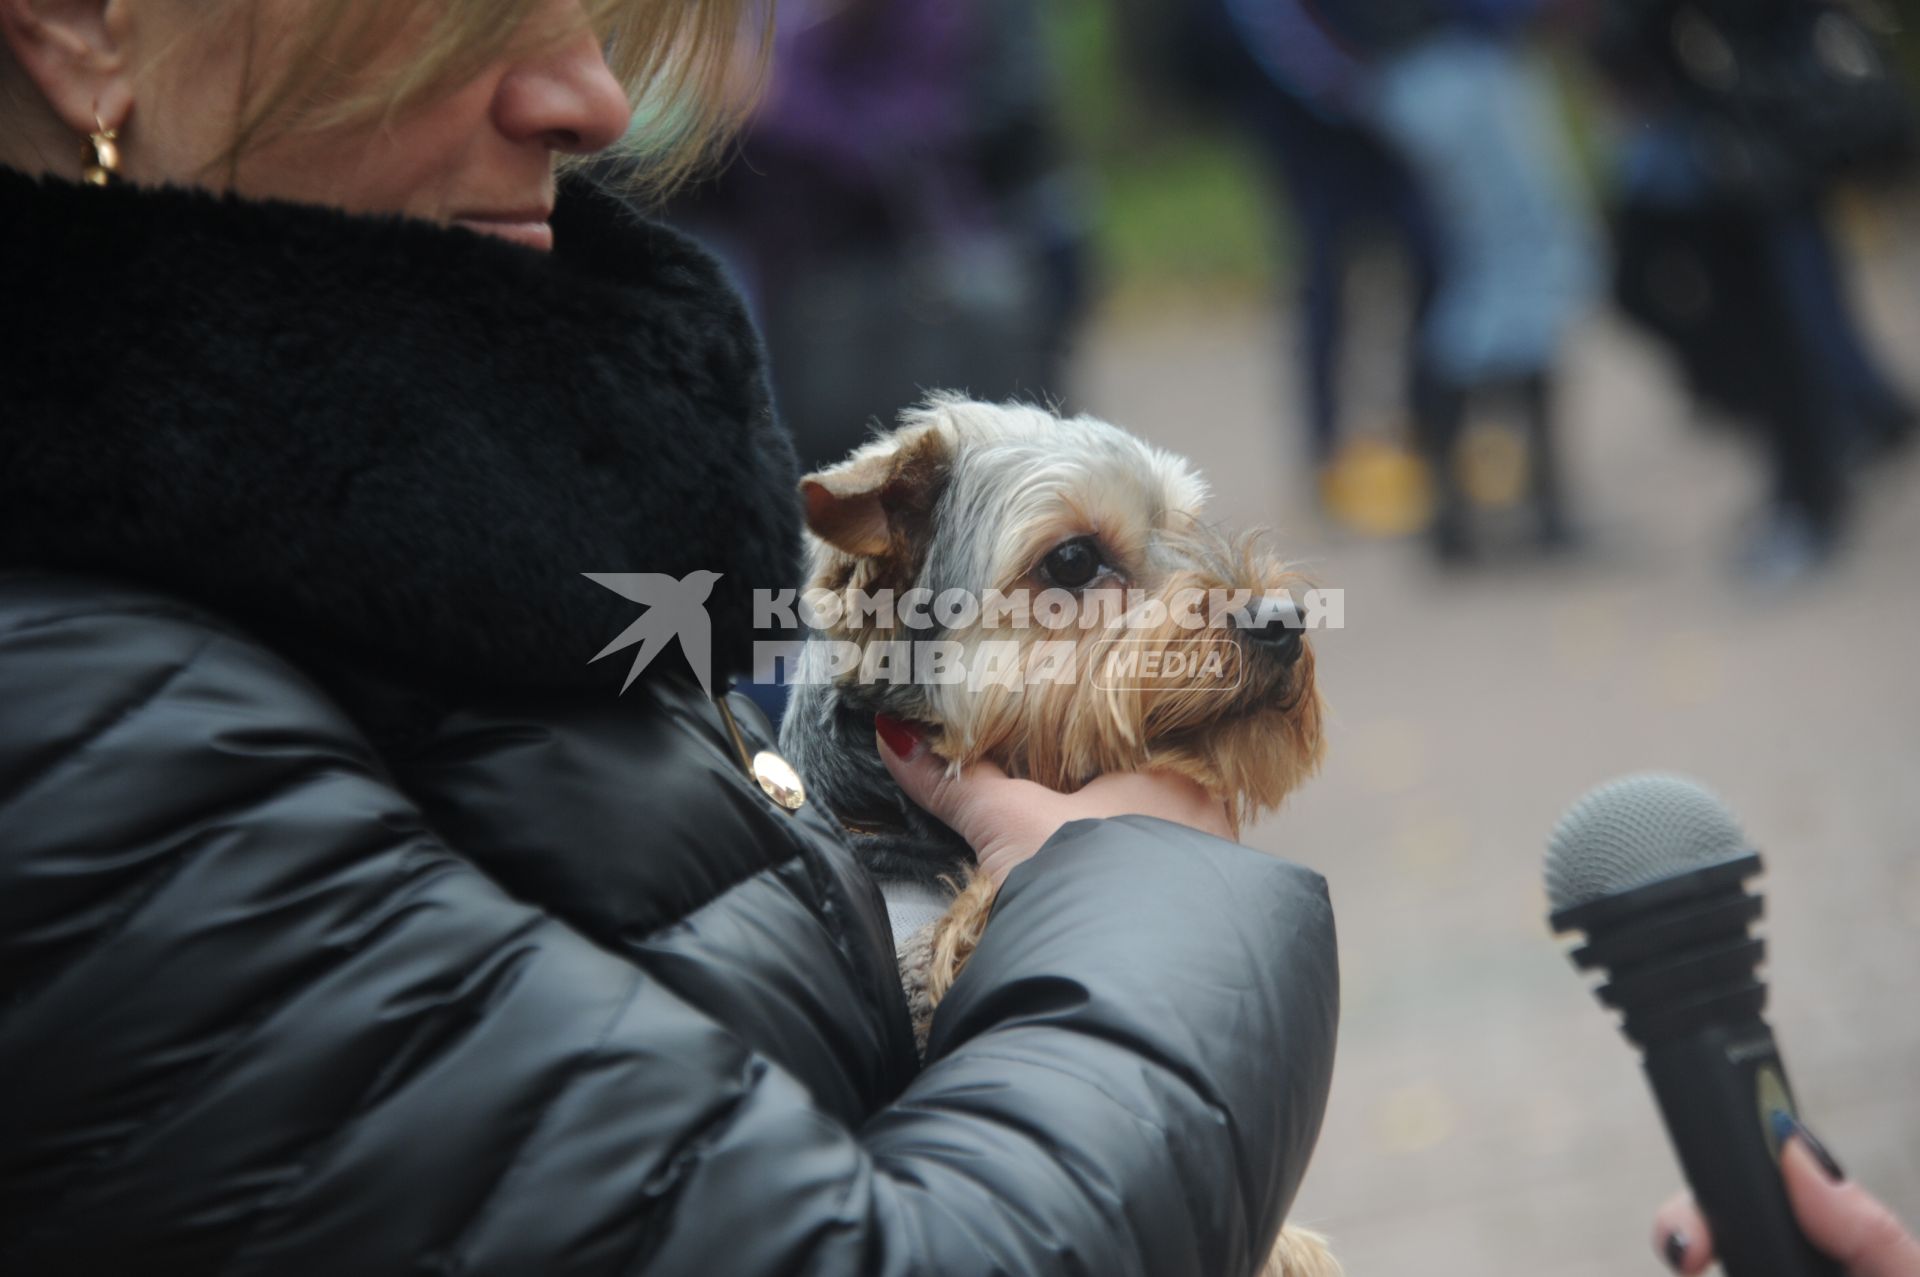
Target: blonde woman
351 921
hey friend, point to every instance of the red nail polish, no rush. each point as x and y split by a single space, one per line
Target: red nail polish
900 737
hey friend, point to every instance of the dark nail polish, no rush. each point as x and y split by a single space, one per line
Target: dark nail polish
1786 1126
898 736
1675 1249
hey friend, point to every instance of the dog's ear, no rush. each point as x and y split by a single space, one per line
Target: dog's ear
882 492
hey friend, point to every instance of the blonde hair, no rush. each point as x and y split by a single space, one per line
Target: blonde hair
690 67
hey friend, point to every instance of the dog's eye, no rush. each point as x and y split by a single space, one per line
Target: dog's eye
1072 564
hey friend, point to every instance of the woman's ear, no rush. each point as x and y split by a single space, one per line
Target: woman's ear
76 54
886 489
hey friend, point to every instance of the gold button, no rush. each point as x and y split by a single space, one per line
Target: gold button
779 780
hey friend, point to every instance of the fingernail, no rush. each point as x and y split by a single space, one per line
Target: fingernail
1675 1249
1786 1126
898 736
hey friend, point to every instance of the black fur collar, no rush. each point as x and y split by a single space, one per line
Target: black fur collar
380 437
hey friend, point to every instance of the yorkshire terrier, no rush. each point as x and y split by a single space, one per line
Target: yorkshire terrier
1043 593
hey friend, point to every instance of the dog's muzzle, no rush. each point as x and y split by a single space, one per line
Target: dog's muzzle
1275 630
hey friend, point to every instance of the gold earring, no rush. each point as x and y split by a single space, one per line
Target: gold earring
103 164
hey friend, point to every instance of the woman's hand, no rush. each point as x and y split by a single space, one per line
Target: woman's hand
1838 1217
1005 820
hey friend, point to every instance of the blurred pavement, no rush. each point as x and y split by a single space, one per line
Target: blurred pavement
1487 1118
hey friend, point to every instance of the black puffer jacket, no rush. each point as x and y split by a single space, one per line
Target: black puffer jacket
352 922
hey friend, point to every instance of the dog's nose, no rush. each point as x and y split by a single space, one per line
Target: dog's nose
1275 629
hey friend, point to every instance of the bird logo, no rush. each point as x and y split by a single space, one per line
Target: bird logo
675 608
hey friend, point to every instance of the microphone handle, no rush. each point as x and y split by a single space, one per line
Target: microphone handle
1717 1087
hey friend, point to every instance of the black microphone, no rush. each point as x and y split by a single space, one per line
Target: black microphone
1653 870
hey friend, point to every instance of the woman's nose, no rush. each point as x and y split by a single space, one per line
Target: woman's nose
565 97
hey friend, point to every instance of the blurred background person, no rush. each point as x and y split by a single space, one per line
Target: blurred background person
1274 73
900 213
1740 119
901 218
1452 84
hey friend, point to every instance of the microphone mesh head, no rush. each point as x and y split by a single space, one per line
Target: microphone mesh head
1633 831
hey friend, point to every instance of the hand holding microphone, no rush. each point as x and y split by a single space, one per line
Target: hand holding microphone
1840 1218
1653 870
